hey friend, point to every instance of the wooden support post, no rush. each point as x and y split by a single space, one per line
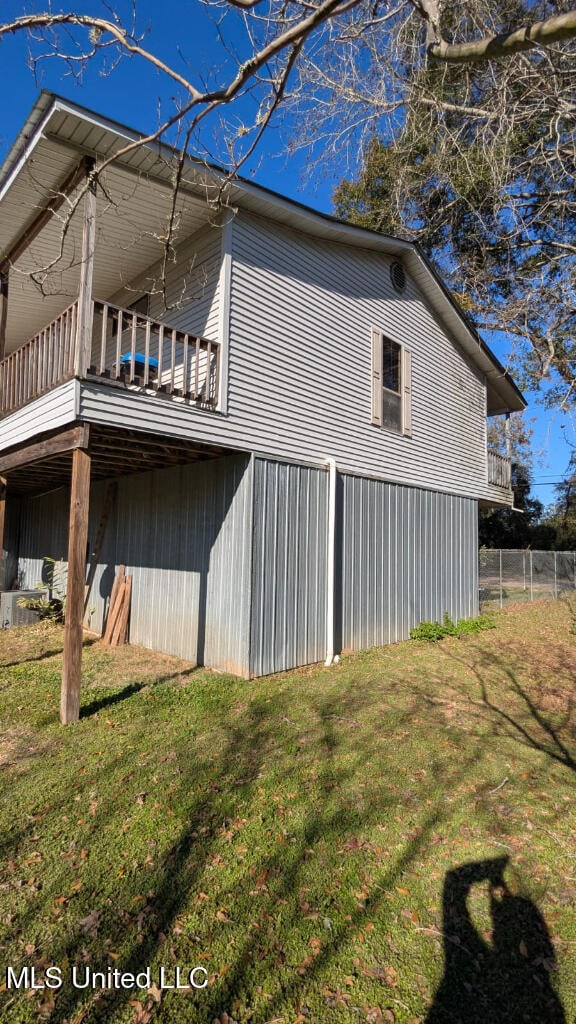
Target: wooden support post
77 540
85 303
507 436
3 311
2 520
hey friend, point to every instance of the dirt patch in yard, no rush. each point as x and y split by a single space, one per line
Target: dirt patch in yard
25 643
105 666
102 666
18 748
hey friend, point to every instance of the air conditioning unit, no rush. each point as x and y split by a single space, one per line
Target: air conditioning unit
11 614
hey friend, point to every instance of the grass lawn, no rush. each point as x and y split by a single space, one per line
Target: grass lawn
390 839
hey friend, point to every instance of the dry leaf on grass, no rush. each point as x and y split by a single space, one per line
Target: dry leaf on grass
90 924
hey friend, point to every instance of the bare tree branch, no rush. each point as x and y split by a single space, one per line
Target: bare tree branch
97 27
543 33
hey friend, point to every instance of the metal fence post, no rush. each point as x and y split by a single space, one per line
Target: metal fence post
555 575
500 577
531 586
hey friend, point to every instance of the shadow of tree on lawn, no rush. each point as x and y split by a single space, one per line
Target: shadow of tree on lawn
531 725
159 908
147 915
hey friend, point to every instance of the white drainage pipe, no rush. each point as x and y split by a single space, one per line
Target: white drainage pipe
331 658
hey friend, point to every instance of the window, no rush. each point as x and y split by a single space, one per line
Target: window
391 384
141 305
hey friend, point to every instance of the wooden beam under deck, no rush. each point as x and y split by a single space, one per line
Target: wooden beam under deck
66 441
46 464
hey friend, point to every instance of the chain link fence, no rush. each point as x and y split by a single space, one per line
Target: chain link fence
507 576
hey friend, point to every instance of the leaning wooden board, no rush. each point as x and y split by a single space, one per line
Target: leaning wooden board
120 631
115 603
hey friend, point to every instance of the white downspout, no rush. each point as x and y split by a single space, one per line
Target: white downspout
331 658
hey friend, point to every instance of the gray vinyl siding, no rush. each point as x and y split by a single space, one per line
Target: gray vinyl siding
407 555
183 534
300 375
191 297
55 409
299 330
289 567
155 414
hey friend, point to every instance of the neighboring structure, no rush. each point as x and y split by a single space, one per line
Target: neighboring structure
294 409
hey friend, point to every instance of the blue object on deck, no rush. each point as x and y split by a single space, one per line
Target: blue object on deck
140 363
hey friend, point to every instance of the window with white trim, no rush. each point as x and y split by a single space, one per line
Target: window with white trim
391 384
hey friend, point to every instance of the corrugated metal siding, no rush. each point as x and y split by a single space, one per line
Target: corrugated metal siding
43 534
229 560
300 376
9 565
288 624
183 534
407 555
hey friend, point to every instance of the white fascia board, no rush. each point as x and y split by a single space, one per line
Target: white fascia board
29 146
257 199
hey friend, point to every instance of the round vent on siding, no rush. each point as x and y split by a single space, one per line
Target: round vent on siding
398 277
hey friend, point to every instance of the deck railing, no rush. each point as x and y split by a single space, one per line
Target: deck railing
499 470
41 364
143 352
129 348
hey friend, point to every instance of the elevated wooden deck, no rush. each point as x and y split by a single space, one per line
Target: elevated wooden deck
499 470
127 348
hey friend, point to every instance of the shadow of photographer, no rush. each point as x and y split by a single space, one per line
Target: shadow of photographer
506 981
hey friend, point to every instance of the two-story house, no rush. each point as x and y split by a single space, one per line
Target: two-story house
291 410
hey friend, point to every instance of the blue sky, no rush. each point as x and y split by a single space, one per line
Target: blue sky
186 35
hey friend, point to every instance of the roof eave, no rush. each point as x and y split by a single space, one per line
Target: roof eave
258 199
